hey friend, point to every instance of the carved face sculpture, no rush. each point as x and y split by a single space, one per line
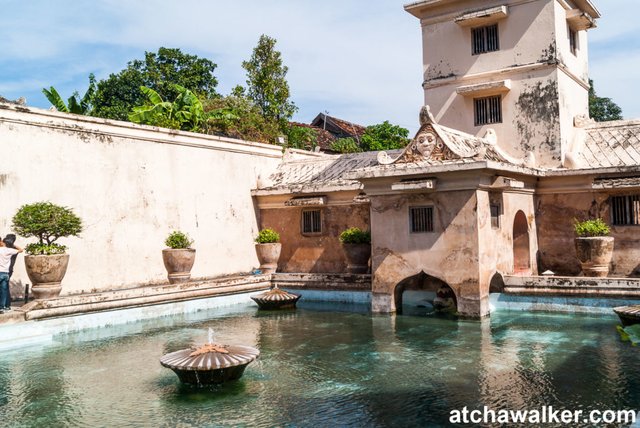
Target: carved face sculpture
425 142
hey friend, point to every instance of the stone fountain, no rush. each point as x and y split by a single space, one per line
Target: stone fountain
276 299
211 363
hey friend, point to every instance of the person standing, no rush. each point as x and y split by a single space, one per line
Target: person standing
9 241
5 263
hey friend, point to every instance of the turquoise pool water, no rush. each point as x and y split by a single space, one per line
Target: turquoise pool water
323 365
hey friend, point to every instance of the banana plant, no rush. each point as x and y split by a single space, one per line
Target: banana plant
185 112
74 104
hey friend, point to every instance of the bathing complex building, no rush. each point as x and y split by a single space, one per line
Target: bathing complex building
483 199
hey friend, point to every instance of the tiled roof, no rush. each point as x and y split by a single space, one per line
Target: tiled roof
329 169
611 144
339 126
325 138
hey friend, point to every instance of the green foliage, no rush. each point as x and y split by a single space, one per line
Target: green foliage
354 235
602 109
186 112
384 136
268 236
345 145
47 222
163 72
74 104
593 227
267 86
241 119
301 137
178 240
36 249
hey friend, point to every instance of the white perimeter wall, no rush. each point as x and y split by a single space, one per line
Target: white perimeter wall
132 185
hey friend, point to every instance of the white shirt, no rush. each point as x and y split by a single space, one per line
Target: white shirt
5 258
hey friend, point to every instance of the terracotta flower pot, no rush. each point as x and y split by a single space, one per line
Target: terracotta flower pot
357 257
46 273
268 256
178 263
594 254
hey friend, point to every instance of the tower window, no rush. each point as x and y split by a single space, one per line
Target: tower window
573 41
311 221
421 219
495 216
625 210
485 39
487 110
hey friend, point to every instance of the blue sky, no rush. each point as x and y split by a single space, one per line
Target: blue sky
357 59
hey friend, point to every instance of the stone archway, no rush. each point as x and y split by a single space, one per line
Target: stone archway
521 248
443 294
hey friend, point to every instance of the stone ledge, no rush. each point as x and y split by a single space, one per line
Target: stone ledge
572 286
323 281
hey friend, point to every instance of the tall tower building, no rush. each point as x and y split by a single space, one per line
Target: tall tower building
519 67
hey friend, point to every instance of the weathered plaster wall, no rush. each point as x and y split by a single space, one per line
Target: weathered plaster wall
449 253
555 213
496 249
132 185
314 253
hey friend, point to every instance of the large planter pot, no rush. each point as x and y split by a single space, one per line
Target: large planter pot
46 273
268 255
594 254
357 257
178 263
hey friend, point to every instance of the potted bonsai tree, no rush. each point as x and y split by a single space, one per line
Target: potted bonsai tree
357 249
594 247
179 257
268 249
46 261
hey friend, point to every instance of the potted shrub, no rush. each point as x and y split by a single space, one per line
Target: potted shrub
594 247
357 249
268 250
179 257
46 261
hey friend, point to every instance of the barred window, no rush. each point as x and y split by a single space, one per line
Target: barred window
495 215
421 219
485 39
488 110
311 221
573 41
625 210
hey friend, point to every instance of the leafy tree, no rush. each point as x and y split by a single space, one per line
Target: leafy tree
47 222
384 136
266 83
243 121
602 109
301 137
345 145
186 112
117 95
74 103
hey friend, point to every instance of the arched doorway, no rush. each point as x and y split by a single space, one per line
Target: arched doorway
521 251
422 291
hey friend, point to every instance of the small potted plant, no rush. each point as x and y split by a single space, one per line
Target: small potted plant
46 261
179 257
594 246
357 249
268 249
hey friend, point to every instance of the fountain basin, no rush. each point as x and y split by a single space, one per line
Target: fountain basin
629 315
276 299
210 364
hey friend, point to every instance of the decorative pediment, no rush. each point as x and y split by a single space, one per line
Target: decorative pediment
431 143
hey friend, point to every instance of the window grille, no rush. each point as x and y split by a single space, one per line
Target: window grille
421 219
485 39
495 216
573 41
311 221
488 110
625 210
